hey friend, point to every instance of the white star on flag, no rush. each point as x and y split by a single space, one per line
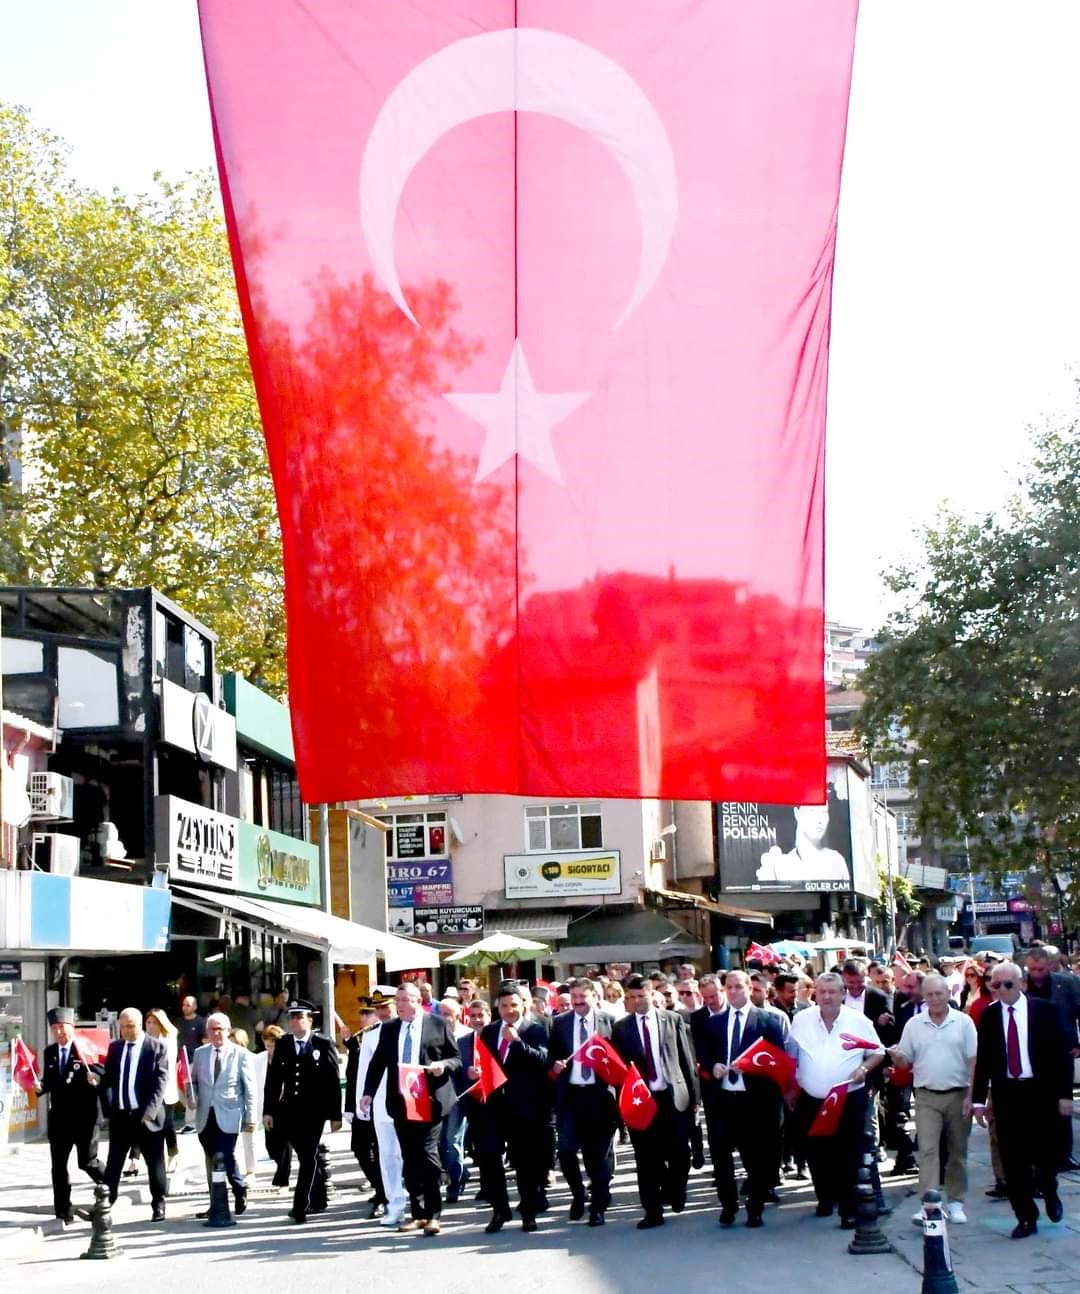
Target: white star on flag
637 1100
518 419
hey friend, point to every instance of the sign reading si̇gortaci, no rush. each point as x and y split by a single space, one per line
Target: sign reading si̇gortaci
557 875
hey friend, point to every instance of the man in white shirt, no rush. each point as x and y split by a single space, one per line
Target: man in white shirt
940 1044
825 1040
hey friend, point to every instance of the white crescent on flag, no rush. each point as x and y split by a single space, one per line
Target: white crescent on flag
828 1103
594 1051
764 1061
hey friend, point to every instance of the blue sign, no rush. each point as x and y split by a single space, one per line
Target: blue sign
420 884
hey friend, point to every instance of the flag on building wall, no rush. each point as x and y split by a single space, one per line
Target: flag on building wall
537 298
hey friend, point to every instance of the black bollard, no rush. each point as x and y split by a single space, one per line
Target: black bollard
320 1187
102 1242
323 1156
220 1214
937 1277
869 1237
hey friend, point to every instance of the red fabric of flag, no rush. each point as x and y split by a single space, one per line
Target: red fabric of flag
413 1086
23 1065
637 1105
853 1042
604 1059
92 1045
183 1069
759 953
766 1060
827 1120
537 299
492 1076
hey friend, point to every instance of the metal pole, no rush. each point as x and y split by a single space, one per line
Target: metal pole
971 886
329 1023
889 861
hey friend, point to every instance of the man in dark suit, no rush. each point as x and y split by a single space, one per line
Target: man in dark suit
416 1038
659 1045
712 995
1064 992
303 1091
73 1108
1024 1061
517 1115
134 1081
746 1108
363 1141
585 1111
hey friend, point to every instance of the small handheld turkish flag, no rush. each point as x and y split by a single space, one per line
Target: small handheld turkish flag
900 1075
852 1042
91 1046
412 1084
902 964
492 1076
758 953
827 1120
604 1059
183 1070
765 1060
23 1068
637 1104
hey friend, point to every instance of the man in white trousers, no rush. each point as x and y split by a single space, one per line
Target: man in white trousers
390 1162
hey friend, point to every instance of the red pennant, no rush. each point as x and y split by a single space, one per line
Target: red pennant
766 1060
23 1066
492 1076
412 1084
827 1119
637 1105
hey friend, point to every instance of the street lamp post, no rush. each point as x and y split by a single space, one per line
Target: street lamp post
889 861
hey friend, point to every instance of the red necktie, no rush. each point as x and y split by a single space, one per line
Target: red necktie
1012 1046
504 1047
650 1064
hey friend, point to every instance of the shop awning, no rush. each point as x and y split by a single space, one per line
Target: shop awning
348 941
534 925
642 936
683 898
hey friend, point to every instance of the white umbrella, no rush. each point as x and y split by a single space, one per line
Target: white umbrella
496 949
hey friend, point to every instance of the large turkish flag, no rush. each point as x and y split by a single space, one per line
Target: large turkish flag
537 297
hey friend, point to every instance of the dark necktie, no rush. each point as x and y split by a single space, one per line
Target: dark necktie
504 1047
406 1051
1012 1047
733 1046
650 1064
217 1063
583 1038
125 1075
63 1060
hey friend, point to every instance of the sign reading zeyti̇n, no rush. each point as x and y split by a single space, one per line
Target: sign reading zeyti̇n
563 874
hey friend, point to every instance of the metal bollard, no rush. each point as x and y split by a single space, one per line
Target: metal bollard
321 1189
102 1242
869 1237
323 1156
220 1214
938 1275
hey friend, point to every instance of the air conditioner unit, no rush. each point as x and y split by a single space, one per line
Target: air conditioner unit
52 795
57 853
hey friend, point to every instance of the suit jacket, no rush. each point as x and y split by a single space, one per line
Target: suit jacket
526 1094
151 1078
232 1095
698 1020
564 1042
676 1055
436 1044
714 1051
1049 1052
73 1103
304 1088
1065 995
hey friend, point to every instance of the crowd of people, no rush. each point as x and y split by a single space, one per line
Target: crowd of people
547 1077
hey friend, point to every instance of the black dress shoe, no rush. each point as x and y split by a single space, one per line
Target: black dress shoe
577 1208
754 1220
158 1212
377 1210
678 1203
67 1218
1023 1229
528 1224
999 1191
823 1211
1054 1210
771 1196
903 1168
203 1213
848 1224
651 1220
596 1219
727 1217
298 1216
240 1205
498 1221
1070 1165
542 1205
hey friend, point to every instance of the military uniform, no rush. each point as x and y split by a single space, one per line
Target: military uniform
303 1091
73 1113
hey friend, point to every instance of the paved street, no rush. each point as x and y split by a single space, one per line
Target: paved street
795 1246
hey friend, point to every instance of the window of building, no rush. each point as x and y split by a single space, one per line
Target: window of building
22 656
563 826
283 795
907 824
88 684
893 776
415 835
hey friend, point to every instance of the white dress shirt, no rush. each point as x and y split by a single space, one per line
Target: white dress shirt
822 1059
1021 1008
652 1015
577 1078
411 1029
130 1101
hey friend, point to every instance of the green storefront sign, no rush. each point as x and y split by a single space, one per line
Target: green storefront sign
273 866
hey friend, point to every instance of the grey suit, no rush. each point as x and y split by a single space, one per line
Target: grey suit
223 1104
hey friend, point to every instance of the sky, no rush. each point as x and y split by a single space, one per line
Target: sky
956 314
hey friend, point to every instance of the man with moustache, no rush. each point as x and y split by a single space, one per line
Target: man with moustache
73 1108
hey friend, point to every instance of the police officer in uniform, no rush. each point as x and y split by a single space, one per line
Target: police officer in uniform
303 1091
73 1108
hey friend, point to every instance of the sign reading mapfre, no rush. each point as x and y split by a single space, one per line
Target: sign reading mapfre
200 845
563 874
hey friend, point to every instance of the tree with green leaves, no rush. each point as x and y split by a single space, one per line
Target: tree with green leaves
979 673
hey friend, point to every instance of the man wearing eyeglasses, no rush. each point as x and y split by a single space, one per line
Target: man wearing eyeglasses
1023 1067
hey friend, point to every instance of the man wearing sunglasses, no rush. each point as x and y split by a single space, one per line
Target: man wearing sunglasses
1024 1063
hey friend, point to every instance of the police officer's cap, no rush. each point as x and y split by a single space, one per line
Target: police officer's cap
61 1015
299 1007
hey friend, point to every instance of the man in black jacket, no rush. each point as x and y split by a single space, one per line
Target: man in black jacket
1064 992
516 1115
134 1080
416 1038
73 1108
303 1091
1024 1062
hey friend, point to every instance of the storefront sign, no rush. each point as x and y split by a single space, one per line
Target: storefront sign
10 974
199 845
190 721
567 873
275 866
988 909
467 920
421 884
